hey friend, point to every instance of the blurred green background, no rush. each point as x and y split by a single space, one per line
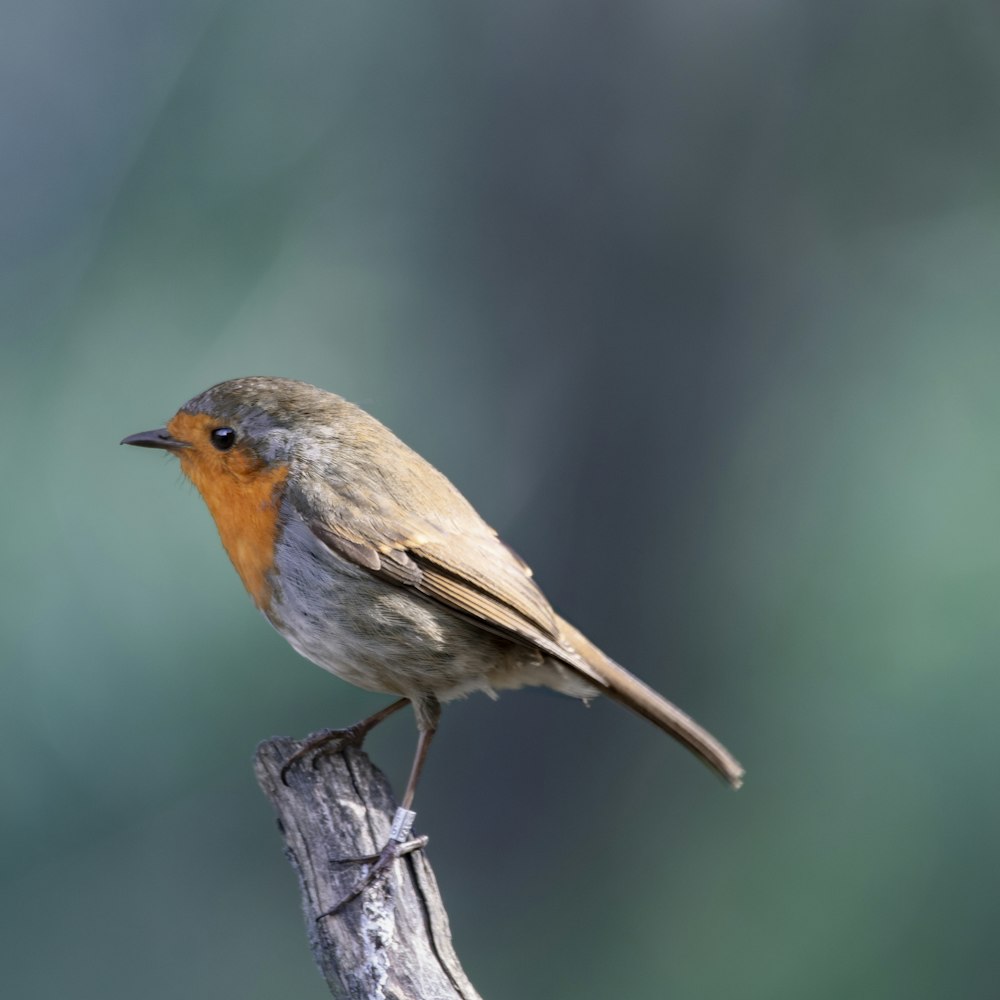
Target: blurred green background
697 302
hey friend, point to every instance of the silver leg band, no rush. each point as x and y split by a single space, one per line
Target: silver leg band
402 824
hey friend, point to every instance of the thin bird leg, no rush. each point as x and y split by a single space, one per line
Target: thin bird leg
423 745
352 736
428 712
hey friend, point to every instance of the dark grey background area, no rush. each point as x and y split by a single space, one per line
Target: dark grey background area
698 304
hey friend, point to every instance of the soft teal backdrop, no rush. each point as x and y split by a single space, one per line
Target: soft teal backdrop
698 302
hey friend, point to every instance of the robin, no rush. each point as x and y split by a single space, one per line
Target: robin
373 565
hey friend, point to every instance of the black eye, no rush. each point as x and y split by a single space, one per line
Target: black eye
223 438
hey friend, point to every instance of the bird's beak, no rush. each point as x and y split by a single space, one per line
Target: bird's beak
159 438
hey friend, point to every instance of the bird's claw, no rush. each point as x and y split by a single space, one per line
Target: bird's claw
352 736
399 844
380 864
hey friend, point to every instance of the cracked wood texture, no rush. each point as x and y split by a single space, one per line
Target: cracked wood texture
393 941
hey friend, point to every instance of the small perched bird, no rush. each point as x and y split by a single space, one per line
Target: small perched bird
372 565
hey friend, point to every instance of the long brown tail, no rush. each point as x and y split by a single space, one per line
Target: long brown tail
642 699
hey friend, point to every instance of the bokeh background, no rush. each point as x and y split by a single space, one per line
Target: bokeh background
697 302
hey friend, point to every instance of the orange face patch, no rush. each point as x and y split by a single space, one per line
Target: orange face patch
242 493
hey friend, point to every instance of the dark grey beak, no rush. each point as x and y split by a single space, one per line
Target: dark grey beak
155 439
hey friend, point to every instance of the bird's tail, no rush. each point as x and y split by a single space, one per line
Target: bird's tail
620 685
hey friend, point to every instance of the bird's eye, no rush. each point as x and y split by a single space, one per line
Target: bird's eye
223 438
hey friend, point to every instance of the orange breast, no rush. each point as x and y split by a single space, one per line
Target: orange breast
243 496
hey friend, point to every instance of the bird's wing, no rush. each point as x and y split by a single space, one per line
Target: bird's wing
455 560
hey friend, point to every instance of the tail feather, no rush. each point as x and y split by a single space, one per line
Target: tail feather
629 691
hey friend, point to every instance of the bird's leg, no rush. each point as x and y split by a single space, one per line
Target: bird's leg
428 711
335 740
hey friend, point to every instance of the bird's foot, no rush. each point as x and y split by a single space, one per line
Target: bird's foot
400 843
328 741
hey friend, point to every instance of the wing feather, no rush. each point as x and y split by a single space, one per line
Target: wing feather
393 514
509 604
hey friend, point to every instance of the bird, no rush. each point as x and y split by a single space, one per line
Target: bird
375 567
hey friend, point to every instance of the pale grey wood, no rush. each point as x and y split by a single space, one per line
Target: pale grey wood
393 942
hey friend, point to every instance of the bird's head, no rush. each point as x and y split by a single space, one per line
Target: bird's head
246 426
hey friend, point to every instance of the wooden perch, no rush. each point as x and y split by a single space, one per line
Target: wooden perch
393 942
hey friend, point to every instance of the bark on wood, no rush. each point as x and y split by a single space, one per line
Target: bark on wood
393 942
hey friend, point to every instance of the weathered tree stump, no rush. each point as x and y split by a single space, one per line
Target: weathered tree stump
392 942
